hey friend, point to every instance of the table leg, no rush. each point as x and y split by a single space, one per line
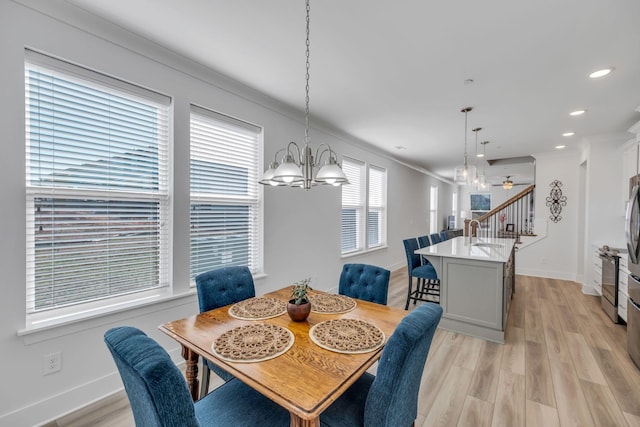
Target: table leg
296 421
191 371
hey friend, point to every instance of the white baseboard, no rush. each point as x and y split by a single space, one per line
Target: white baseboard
560 275
69 401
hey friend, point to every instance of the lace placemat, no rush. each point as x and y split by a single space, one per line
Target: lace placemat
253 343
258 308
331 303
347 336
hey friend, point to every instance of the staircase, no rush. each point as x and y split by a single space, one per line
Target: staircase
512 219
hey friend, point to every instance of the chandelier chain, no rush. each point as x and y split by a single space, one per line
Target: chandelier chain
306 99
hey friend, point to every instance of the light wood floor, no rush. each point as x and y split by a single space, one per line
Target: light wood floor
564 364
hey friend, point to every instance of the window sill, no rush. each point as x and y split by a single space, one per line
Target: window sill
81 321
363 252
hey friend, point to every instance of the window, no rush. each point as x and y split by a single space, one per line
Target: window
226 212
433 210
377 209
364 206
454 210
96 186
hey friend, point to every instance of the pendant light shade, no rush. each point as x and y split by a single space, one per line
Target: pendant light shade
464 175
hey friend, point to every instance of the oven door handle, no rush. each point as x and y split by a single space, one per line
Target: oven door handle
633 200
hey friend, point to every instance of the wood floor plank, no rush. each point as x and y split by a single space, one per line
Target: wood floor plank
556 344
433 378
573 409
627 395
602 404
539 386
586 366
485 379
509 409
632 420
513 351
539 415
450 400
475 413
469 357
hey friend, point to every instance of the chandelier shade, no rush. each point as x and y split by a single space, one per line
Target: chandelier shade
301 168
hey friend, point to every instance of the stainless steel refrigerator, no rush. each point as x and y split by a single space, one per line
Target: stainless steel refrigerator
632 234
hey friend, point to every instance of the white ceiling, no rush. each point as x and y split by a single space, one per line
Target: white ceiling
392 73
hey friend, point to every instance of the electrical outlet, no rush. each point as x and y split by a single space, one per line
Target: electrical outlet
543 260
52 362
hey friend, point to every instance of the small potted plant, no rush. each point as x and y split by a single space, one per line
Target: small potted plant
299 306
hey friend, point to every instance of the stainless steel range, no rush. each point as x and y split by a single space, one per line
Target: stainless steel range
610 274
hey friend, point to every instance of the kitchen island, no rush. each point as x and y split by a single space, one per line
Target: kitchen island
477 278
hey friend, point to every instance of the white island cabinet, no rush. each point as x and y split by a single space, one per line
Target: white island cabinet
477 278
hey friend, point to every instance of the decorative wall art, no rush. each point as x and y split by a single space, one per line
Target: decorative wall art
556 201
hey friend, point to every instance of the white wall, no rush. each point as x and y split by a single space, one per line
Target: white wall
302 229
554 256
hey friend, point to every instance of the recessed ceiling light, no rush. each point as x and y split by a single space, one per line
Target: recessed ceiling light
577 112
560 147
568 134
600 73
479 155
400 147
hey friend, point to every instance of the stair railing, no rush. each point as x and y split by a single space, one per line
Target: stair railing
511 219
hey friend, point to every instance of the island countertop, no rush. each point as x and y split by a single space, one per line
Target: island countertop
481 248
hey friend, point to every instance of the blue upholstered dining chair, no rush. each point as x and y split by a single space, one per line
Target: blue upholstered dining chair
365 282
423 241
217 288
390 399
444 236
435 238
428 284
159 395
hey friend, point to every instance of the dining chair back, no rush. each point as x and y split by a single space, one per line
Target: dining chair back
435 238
428 284
365 282
390 399
159 396
217 288
444 236
224 286
423 241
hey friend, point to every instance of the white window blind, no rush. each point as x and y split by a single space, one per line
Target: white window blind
226 210
353 212
96 181
377 207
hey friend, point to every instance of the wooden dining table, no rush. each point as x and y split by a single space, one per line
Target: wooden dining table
307 378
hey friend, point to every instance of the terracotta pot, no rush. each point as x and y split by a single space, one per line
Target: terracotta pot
298 312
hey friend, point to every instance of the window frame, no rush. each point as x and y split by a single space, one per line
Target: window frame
254 198
364 206
104 188
433 209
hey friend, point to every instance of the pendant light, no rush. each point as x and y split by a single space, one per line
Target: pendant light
483 176
476 178
463 175
298 167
